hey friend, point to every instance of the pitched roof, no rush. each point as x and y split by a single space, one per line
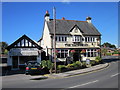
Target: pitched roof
24 37
64 27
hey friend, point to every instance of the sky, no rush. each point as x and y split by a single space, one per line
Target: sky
19 18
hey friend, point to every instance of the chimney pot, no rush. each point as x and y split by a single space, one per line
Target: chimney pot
88 19
63 18
47 12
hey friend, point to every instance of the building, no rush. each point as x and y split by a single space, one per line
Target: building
70 35
22 50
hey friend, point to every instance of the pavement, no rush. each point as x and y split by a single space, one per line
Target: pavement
76 72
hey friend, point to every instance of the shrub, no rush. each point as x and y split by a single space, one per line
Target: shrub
98 59
108 54
70 66
78 63
60 67
49 64
83 64
75 65
92 62
44 63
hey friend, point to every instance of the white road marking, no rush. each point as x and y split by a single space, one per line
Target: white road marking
84 84
114 75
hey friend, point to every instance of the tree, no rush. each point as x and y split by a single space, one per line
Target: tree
104 51
106 44
3 46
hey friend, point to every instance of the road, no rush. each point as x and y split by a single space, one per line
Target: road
106 78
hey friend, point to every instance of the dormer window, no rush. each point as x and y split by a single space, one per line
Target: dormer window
77 38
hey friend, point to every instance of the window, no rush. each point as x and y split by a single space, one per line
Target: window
61 38
85 39
76 38
93 39
62 53
91 53
56 38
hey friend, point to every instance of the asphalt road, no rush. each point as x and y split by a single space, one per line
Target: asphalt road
106 78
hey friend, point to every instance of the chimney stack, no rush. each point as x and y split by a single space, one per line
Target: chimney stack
63 18
47 16
88 19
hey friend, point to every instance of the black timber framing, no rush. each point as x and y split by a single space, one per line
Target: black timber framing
24 37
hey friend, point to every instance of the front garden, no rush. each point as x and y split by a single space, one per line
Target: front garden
49 66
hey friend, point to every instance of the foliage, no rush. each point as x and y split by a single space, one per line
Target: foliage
92 62
116 52
3 46
47 64
98 59
60 67
83 64
104 51
108 54
78 63
44 63
108 45
70 66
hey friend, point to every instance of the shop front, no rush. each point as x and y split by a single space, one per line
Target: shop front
22 51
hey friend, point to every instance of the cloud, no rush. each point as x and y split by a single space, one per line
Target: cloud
66 1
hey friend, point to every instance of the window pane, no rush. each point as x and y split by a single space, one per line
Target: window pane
62 38
58 55
91 54
59 38
56 38
88 54
85 39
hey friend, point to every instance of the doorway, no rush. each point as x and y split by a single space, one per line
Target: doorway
77 55
15 62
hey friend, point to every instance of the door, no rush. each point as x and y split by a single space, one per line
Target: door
15 62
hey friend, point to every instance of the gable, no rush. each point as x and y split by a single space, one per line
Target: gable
76 29
24 42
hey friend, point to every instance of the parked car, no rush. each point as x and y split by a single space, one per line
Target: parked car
32 68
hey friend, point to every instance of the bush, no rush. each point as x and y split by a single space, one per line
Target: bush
44 63
74 65
78 64
98 59
70 66
83 64
108 54
49 64
92 62
60 67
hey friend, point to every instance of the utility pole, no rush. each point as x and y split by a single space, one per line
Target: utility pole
54 27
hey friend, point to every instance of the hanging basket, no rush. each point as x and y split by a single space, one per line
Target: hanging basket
83 51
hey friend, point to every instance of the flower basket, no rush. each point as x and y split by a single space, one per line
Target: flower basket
72 52
83 51
98 50
56 51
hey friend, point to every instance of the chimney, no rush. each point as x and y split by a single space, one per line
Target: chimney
88 19
63 18
47 16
